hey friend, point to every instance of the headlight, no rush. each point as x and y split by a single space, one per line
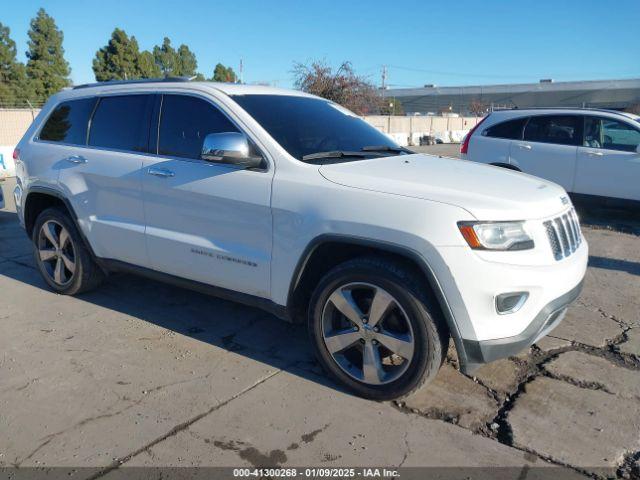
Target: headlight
496 235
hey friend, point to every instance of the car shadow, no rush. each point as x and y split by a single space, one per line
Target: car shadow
234 327
624 220
614 264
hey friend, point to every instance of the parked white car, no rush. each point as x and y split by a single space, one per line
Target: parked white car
593 154
293 204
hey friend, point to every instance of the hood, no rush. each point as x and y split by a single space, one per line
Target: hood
487 192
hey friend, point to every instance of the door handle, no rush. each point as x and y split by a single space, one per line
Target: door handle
595 153
77 159
524 146
160 172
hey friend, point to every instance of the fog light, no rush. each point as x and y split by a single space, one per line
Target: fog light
510 302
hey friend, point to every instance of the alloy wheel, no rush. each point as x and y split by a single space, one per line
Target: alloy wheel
367 333
56 252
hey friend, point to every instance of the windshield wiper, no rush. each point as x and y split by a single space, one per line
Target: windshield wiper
385 148
334 154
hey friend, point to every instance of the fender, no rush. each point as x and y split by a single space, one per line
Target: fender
465 365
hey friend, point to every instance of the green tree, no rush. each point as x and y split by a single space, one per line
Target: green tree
166 58
147 65
224 74
46 67
14 86
119 59
186 62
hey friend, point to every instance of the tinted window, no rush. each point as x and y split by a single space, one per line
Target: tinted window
600 132
68 122
303 125
511 129
122 123
185 122
560 129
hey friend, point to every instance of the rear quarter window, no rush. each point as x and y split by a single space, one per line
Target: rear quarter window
511 129
68 122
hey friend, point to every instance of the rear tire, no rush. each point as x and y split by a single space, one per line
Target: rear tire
390 342
63 259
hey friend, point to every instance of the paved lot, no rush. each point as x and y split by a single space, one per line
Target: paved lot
138 373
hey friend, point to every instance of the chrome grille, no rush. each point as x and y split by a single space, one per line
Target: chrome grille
564 234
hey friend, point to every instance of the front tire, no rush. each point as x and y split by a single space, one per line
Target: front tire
376 329
64 261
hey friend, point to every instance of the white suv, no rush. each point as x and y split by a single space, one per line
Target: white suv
594 154
291 203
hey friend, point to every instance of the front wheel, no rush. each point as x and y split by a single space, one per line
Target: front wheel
375 328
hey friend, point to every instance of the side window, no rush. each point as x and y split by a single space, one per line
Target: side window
559 129
122 123
611 134
68 122
184 123
511 129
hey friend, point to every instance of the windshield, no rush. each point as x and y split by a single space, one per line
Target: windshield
304 126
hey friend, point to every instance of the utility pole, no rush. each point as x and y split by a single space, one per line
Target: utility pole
384 77
241 69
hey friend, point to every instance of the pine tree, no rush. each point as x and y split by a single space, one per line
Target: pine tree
119 59
186 62
15 88
166 58
46 67
224 74
147 65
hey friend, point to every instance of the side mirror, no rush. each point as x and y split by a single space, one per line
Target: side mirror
230 148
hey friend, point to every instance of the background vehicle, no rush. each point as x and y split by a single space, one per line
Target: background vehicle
292 203
593 154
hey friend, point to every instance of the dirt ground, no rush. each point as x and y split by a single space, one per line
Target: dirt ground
139 373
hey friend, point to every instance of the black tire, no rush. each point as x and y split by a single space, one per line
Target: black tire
87 275
410 292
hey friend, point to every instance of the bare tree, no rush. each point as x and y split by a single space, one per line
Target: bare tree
635 109
342 86
478 108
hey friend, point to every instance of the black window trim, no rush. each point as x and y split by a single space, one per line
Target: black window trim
600 117
219 107
513 119
155 124
580 126
36 136
99 98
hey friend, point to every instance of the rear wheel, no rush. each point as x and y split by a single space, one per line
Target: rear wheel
61 255
375 329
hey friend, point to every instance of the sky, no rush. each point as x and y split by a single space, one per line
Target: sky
461 42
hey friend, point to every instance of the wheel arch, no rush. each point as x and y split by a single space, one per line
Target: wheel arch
39 199
315 262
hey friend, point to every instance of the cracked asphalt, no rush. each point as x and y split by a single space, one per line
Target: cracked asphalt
138 373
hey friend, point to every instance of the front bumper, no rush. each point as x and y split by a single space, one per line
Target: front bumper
477 352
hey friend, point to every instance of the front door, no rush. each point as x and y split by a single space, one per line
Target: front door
205 221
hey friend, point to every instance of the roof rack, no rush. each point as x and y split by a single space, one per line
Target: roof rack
589 109
129 82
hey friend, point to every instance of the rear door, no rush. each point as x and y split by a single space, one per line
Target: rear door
549 148
493 144
608 161
103 179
